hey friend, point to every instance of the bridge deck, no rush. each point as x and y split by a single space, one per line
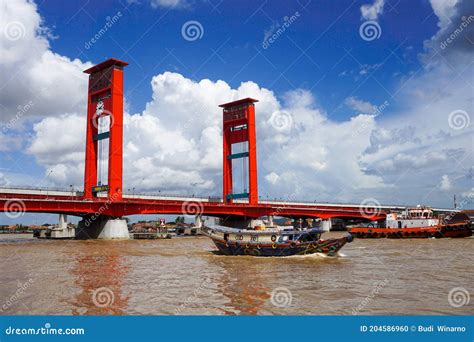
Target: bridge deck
72 203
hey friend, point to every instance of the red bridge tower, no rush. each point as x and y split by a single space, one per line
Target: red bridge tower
239 127
104 105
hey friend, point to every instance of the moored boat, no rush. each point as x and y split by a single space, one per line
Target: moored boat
273 241
418 222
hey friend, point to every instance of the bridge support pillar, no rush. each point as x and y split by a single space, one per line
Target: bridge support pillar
102 227
62 221
62 231
326 225
198 221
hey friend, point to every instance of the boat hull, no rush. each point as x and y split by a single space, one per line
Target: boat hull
458 230
329 247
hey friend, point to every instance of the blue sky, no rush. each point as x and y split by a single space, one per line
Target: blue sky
231 47
342 117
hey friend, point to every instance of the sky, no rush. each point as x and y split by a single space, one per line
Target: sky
359 101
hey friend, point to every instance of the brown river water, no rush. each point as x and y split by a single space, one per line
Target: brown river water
184 276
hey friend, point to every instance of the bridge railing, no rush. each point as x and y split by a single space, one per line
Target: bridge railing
45 190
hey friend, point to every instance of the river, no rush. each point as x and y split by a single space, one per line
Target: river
184 276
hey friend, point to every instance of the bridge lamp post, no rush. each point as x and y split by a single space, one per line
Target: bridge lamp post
47 189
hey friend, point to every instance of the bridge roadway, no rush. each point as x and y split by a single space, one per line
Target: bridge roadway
53 201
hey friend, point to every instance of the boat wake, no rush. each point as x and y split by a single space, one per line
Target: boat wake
315 256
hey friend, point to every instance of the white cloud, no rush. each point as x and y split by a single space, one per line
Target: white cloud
444 10
373 11
272 178
445 183
169 3
175 144
360 106
3 180
416 146
30 72
453 41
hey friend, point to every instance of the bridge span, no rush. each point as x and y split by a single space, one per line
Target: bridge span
46 200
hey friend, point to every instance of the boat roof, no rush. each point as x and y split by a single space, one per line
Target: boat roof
267 231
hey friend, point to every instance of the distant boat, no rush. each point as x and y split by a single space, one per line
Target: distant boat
152 234
418 222
273 241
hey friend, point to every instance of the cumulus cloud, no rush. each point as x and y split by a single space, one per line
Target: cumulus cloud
33 76
175 144
455 38
272 178
372 11
169 3
445 183
3 180
414 147
359 105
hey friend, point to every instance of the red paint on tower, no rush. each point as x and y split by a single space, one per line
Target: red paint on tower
239 126
105 97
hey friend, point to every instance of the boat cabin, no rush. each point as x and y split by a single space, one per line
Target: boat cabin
412 218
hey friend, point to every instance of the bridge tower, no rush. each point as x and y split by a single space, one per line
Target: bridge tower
239 127
104 106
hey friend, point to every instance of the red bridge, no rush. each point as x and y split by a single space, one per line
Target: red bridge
103 199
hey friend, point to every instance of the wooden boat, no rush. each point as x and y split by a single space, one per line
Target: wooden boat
274 241
418 222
